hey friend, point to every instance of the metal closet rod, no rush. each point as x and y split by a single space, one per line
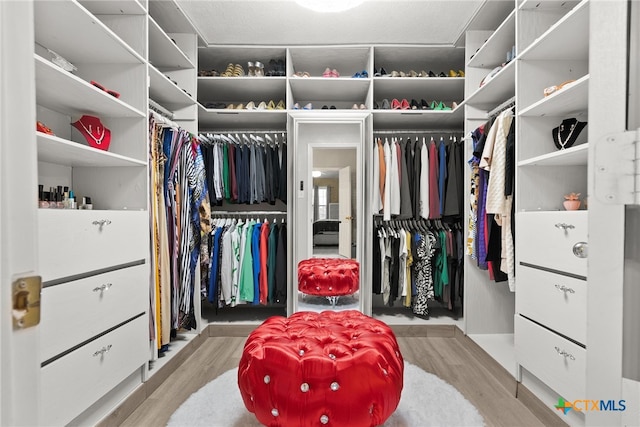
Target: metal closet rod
215 131
248 213
500 108
153 105
421 132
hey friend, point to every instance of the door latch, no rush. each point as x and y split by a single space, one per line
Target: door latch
26 301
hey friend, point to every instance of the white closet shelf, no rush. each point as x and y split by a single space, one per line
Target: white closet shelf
170 16
53 149
218 57
418 119
163 52
167 93
494 51
547 4
569 100
66 93
497 90
430 88
330 89
566 40
87 40
346 60
574 156
114 7
209 119
406 58
244 89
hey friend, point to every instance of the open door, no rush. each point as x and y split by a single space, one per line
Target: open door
344 200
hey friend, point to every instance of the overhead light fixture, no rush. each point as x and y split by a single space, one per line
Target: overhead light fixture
325 6
316 174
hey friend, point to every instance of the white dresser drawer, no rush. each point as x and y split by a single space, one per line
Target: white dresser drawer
557 362
556 301
74 382
84 308
547 239
73 241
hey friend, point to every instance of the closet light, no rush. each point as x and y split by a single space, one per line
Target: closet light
329 5
316 174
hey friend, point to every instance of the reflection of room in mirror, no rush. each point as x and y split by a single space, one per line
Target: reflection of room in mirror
333 201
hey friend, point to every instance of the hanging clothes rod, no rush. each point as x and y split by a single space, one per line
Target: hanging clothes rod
153 105
248 213
240 131
420 132
500 108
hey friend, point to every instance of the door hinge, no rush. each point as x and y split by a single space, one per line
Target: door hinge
616 168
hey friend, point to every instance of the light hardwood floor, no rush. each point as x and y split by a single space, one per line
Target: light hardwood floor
445 352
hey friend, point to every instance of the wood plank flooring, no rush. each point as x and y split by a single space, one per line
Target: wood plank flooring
455 359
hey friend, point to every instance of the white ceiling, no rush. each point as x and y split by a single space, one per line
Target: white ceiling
390 22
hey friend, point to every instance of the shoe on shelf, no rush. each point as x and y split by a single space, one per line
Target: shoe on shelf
423 73
296 106
395 104
460 73
325 107
394 73
380 73
327 72
355 107
363 107
259 69
240 106
414 105
309 106
280 105
385 104
238 71
376 106
230 107
251 105
361 75
412 73
431 74
404 104
333 107
41 127
454 105
424 104
251 69
335 73
271 105
442 74
229 71
453 73
262 106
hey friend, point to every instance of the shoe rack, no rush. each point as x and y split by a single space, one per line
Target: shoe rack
303 85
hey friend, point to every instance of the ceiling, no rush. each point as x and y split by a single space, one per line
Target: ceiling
379 22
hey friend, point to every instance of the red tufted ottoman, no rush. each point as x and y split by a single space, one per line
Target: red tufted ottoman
331 368
329 277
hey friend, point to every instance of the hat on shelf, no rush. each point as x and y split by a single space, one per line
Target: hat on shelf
96 134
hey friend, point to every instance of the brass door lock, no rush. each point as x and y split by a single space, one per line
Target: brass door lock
26 301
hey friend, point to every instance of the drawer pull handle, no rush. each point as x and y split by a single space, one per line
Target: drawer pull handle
102 288
102 351
101 222
564 354
565 226
563 288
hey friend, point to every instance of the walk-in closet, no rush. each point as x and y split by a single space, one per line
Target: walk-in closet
475 159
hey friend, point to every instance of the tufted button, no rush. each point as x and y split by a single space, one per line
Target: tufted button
304 387
384 371
267 379
324 419
301 352
275 412
332 356
335 386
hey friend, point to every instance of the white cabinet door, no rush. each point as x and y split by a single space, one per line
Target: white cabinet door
19 355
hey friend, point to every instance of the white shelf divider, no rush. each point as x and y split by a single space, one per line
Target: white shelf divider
53 149
494 51
165 92
163 52
570 99
497 90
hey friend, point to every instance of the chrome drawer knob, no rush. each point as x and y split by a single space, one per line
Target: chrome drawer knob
563 288
564 354
581 249
103 350
565 226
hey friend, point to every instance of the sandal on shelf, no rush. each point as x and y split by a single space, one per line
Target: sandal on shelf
553 89
271 105
259 69
238 71
251 106
40 127
110 92
327 72
229 71
280 105
395 104
251 69
413 73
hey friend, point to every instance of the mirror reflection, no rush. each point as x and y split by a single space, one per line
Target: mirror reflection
333 207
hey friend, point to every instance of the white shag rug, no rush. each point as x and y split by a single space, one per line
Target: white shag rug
426 401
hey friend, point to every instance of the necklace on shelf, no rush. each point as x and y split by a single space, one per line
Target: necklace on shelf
90 132
566 141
